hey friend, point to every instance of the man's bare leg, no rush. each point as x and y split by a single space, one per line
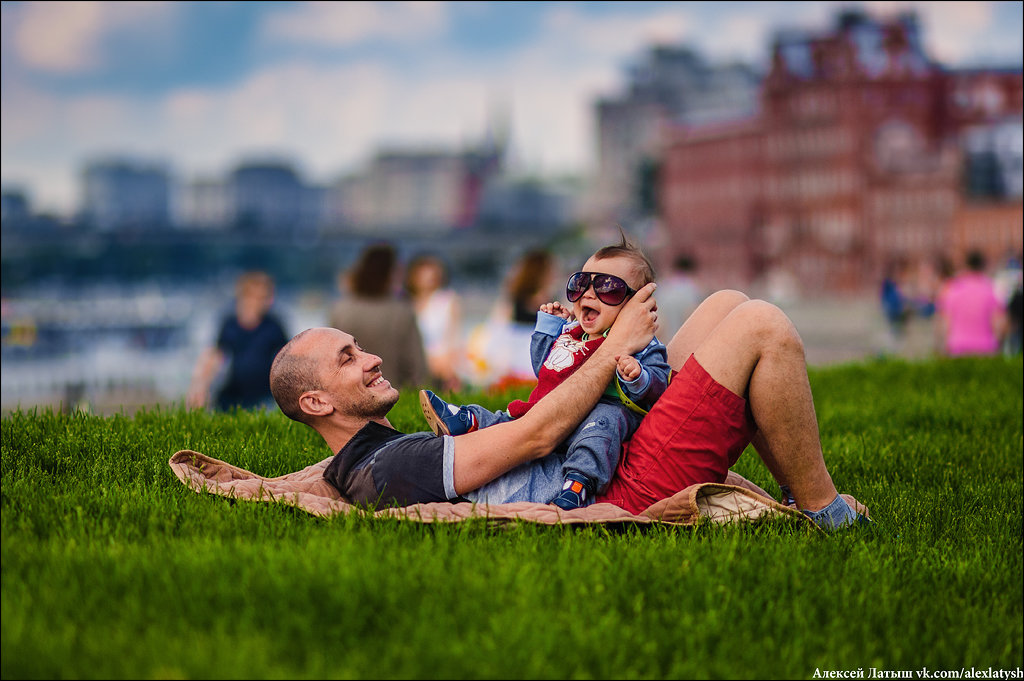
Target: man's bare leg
708 315
764 450
700 323
755 351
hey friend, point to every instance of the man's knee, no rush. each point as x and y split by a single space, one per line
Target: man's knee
770 325
727 298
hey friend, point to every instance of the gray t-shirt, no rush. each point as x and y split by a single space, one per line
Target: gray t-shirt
381 466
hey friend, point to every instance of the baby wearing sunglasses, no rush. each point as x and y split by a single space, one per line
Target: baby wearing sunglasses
561 342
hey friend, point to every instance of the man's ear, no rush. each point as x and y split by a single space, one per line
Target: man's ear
312 402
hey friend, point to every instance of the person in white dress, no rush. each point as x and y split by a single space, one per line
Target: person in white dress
439 316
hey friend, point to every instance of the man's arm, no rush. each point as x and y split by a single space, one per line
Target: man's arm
207 366
483 455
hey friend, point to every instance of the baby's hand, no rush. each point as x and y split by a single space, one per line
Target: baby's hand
556 309
628 368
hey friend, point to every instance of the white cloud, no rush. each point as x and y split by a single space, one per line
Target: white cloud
47 139
553 83
612 34
951 29
26 114
59 36
69 37
350 23
334 118
744 37
331 118
324 118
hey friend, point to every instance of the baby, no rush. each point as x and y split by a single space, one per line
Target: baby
562 341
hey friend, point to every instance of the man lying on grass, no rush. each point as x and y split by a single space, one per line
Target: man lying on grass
742 378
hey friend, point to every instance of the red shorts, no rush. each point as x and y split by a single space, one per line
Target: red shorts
694 433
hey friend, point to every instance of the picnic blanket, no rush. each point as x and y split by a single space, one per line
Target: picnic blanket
737 499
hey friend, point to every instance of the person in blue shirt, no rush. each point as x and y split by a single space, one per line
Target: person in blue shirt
247 342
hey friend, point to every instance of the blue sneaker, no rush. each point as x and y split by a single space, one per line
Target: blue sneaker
444 418
836 515
575 492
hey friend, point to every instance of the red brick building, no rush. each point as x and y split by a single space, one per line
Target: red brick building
855 159
994 228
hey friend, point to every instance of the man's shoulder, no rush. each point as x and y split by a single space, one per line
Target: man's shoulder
383 465
367 440
374 436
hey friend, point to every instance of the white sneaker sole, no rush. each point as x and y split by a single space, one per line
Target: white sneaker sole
431 416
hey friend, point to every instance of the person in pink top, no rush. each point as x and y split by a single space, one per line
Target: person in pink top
971 314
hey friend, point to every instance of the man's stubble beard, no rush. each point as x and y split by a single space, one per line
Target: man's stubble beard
373 407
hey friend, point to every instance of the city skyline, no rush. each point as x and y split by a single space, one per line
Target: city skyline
205 86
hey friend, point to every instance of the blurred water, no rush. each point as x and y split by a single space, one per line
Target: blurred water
123 349
107 348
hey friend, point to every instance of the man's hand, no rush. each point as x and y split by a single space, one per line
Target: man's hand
635 326
556 309
628 368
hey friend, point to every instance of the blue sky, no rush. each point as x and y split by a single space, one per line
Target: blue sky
203 85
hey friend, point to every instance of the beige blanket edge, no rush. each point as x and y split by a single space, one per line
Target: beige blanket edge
737 499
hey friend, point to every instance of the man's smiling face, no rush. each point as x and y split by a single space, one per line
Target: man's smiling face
352 377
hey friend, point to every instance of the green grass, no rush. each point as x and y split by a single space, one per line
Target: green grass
111 568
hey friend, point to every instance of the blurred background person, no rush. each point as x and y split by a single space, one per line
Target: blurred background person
382 322
1009 281
1008 277
1014 314
529 286
973 317
439 316
247 341
896 307
944 271
678 296
920 286
499 349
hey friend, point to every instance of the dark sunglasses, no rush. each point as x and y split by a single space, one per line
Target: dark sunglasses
608 288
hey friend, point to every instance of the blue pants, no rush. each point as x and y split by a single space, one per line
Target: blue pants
593 449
